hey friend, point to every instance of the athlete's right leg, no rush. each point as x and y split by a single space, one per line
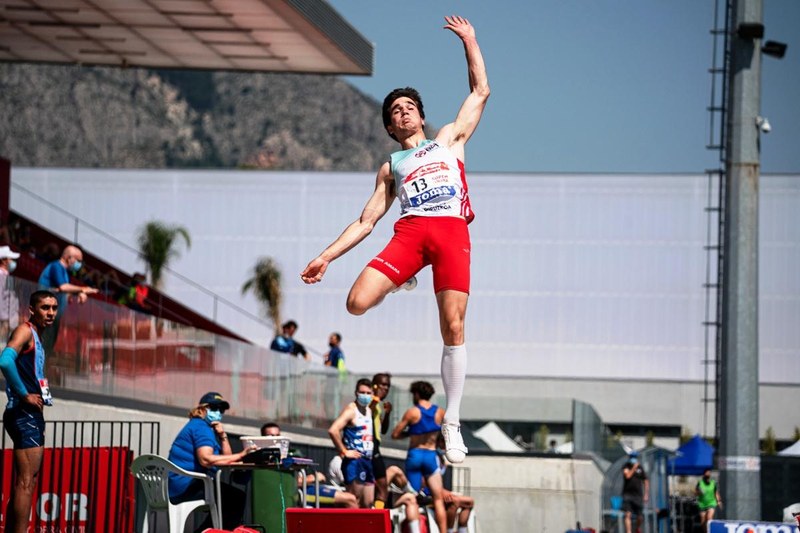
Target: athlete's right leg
28 461
369 289
356 489
400 260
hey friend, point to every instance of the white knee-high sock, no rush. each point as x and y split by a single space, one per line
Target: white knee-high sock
413 526
454 373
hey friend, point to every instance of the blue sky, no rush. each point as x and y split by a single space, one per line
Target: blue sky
580 85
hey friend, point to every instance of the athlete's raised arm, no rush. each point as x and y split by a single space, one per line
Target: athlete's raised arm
457 133
377 206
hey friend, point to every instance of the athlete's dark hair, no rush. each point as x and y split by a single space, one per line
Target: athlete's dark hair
409 92
268 425
423 389
381 375
289 324
38 296
363 381
338 336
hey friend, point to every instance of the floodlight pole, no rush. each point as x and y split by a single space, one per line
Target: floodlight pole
739 460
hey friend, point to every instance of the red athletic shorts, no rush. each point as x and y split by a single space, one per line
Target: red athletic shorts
442 242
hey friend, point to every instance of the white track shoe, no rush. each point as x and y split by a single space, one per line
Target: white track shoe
454 449
409 285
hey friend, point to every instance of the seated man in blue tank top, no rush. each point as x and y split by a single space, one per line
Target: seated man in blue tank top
422 424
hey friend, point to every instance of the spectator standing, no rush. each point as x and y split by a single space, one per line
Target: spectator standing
708 498
635 491
22 363
352 436
381 409
9 304
55 277
284 342
200 446
335 357
422 424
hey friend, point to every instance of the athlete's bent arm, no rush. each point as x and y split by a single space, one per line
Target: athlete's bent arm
20 340
335 433
377 206
399 431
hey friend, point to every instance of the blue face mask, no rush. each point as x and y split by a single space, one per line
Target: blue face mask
364 399
213 416
76 266
12 266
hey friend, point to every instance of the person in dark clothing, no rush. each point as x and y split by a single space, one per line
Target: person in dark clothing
635 491
56 277
284 342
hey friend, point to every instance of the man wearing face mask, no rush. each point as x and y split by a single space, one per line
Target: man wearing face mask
9 304
55 277
635 491
200 446
352 436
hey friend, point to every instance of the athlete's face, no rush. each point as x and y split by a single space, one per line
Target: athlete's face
44 312
405 118
381 388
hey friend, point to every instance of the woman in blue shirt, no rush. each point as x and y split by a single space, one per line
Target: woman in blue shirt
200 446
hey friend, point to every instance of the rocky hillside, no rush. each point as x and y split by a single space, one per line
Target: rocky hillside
134 118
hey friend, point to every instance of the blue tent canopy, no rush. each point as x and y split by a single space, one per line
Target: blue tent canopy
692 459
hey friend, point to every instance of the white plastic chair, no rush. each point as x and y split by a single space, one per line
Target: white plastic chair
153 473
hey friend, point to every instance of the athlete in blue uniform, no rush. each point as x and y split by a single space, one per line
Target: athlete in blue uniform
422 424
22 364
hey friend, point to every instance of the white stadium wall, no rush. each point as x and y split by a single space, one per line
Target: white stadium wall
590 276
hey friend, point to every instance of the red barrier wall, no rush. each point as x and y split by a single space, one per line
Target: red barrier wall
80 490
338 521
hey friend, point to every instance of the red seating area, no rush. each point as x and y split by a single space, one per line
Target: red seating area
338 520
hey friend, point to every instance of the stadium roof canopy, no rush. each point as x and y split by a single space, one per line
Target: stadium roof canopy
249 35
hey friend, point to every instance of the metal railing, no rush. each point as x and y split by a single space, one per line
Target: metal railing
210 307
85 482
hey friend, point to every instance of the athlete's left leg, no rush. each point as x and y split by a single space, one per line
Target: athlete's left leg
28 462
452 311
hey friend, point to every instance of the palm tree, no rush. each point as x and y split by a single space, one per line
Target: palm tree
158 247
266 287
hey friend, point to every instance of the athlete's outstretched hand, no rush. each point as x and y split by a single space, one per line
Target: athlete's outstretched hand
314 271
460 26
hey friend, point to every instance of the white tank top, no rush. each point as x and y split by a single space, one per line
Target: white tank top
430 182
358 436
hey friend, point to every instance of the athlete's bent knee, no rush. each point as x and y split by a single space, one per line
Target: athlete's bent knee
354 307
